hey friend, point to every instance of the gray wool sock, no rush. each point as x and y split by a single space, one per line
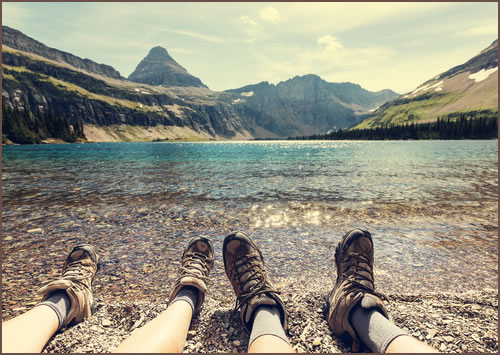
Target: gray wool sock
267 321
374 330
61 304
187 294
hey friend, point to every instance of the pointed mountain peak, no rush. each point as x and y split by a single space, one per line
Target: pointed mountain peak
160 69
159 54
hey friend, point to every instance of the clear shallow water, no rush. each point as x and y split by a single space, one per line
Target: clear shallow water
432 208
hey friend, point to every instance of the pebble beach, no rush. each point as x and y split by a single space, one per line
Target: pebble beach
449 322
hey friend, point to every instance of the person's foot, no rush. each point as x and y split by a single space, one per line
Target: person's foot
245 269
78 273
355 284
197 262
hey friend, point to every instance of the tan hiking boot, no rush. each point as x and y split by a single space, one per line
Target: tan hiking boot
78 273
197 262
355 284
245 269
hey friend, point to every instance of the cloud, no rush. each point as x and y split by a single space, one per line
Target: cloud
272 15
330 42
16 14
247 20
181 50
481 30
197 35
344 16
327 58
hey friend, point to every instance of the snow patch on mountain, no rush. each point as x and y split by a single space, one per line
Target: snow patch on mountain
427 87
482 74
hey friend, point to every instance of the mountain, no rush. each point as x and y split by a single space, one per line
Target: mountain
468 90
17 40
160 69
48 94
304 105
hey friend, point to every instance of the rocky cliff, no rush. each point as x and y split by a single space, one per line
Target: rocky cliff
53 94
41 89
159 68
304 105
17 40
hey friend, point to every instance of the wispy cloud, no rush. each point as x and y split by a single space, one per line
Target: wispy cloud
271 14
247 20
331 43
481 30
17 13
182 50
396 45
203 37
327 58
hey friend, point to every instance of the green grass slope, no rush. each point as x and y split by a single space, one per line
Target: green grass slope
465 89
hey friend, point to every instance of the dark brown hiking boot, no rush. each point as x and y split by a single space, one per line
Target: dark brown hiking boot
245 269
355 284
197 262
78 273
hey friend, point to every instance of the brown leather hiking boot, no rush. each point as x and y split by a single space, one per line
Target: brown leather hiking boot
197 262
78 273
355 284
245 269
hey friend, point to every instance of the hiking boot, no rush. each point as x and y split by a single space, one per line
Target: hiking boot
355 285
245 269
78 273
197 261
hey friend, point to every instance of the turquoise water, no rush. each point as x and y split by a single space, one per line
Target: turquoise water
432 206
340 173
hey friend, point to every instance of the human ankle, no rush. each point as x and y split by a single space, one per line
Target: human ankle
60 303
373 328
267 321
188 294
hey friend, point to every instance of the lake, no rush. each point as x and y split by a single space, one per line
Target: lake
431 206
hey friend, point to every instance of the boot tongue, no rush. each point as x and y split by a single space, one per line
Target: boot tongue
256 302
369 301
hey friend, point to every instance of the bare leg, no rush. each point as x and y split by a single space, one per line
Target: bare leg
270 344
408 344
29 332
166 333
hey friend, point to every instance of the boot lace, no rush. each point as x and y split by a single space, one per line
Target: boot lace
79 272
355 278
196 265
255 272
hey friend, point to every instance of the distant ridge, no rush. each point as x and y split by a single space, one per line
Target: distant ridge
304 105
18 40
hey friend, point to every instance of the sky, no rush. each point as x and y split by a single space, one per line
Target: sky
379 46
